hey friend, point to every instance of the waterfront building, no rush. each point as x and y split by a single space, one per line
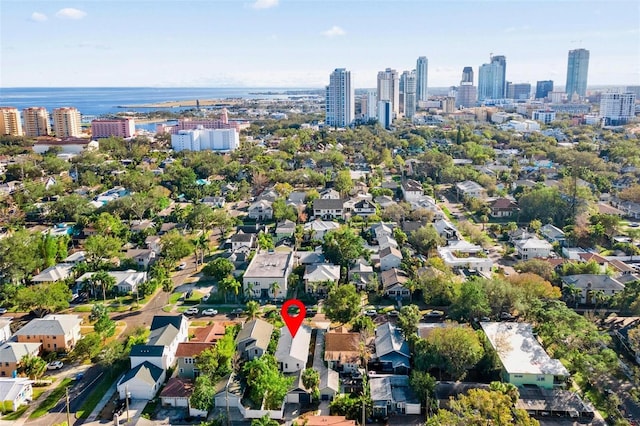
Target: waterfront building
201 139
422 74
617 108
10 123
543 88
339 99
118 127
492 79
577 69
36 122
66 122
389 89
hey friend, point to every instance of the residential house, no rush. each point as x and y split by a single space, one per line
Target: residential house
470 189
304 258
393 283
142 257
412 190
590 284
141 382
390 257
176 392
523 360
446 230
459 255
269 195
532 248
241 239
285 229
553 234
153 242
364 208
158 355
54 273
126 281
186 357
382 229
228 392
361 274
384 242
11 354
297 393
317 228
329 194
503 207
392 350
292 352
214 202
428 203
384 201
141 225
297 199
342 350
5 329
75 258
328 421
169 331
318 277
253 339
15 392
55 332
265 269
329 378
328 208
391 394
261 210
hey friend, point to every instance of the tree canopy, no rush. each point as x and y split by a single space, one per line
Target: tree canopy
343 303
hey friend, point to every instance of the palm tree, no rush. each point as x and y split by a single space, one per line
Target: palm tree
571 292
253 308
104 280
234 285
32 366
599 298
248 293
274 287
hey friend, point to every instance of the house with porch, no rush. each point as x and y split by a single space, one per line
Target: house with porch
342 350
328 208
318 277
292 352
393 283
265 269
253 339
392 350
261 210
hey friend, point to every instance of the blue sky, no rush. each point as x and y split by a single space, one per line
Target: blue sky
297 43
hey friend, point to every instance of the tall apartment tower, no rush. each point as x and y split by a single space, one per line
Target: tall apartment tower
543 88
36 122
492 79
340 101
617 108
410 87
577 70
422 74
389 89
10 123
385 114
370 105
66 122
467 75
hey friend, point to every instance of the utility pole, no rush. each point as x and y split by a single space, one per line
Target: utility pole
126 400
66 391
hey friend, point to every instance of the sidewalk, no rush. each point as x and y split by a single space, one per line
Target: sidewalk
105 399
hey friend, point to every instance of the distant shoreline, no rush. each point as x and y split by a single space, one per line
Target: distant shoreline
185 103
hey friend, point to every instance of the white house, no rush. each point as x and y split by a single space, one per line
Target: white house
15 392
412 190
253 339
364 208
328 208
126 281
242 239
464 255
292 352
141 382
320 227
317 276
142 257
552 234
390 257
265 269
167 332
261 210
330 194
470 189
5 329
382 229
532 247
57 272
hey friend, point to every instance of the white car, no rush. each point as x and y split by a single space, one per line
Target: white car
182 266
55 365
191 311
371 312
210 312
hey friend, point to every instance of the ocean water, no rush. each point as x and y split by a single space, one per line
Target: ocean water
96 101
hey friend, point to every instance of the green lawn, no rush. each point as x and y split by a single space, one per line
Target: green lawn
16 414
51 400
98 391
173 299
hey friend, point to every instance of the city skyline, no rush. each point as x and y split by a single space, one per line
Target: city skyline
280 43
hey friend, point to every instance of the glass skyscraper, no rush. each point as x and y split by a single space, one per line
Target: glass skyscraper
577 69
422 71
340 101
491 79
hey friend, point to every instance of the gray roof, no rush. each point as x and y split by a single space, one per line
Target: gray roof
389 339
163 336
54 273
14 351
593 282
322 272
328 204
257 330
160 321
52 325
145 372
380 388
10 388
268 265
147 351
296 347
241 237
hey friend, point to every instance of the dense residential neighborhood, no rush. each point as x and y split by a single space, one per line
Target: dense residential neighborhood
441 265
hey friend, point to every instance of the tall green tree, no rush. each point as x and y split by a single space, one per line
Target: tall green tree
342 303
32 366
472 302
343 246
219 268
408 320
101 247
43 298
104 281
175 247
311 381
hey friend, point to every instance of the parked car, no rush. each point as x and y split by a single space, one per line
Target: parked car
210 312
182 266
506 316
393 313
434 314
371 312
3 310
237 311
191 311
55 365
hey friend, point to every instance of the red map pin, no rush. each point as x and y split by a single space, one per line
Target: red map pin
293 321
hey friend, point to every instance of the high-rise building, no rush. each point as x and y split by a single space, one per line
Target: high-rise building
66 122
467 95
518 91
409 98
492 79
36 122
369 105
340 101
118 127
385 114
544 116
200 139
422 74
617 108
389 89
543 87
467 75
577 69
10 123
634 89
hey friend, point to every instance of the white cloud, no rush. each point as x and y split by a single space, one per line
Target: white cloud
265 4
38 17
70 13
334 31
